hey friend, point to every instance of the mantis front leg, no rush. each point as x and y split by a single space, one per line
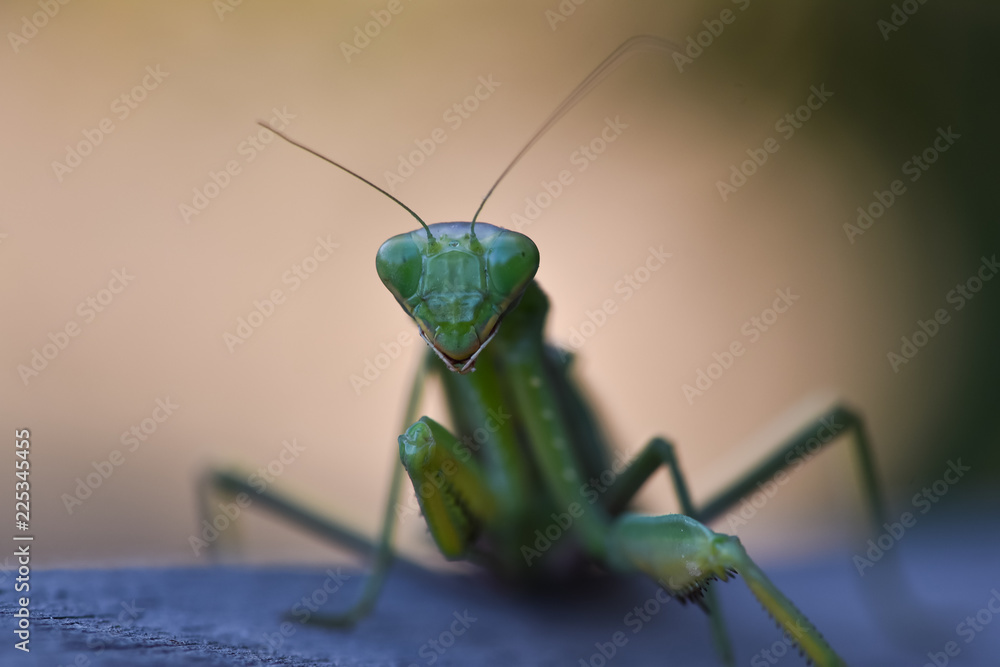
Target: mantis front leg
683 556
450 486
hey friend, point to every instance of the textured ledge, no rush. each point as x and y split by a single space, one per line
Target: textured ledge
232 616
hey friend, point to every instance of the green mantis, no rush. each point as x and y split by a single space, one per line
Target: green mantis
470 289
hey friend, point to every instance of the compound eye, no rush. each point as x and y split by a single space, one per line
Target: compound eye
399 265
512 262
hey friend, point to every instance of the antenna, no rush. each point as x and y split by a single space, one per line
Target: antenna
357 176
608 65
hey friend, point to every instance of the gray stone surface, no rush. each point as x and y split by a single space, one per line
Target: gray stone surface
232 616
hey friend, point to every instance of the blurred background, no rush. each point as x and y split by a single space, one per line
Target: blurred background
180 291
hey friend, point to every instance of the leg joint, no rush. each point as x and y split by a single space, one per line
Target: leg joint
664 449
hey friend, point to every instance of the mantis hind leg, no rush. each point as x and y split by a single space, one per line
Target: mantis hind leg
381 550
233 484
818 433
835 422
888 591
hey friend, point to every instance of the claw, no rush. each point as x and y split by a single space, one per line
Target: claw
685 556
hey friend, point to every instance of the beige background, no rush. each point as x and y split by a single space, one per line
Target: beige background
163 335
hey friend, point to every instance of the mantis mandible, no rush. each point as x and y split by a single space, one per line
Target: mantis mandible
470 288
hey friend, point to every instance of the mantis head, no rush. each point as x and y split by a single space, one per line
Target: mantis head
457 280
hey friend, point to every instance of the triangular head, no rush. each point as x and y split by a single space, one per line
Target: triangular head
458 280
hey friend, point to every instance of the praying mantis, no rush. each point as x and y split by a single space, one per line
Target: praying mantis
470 289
